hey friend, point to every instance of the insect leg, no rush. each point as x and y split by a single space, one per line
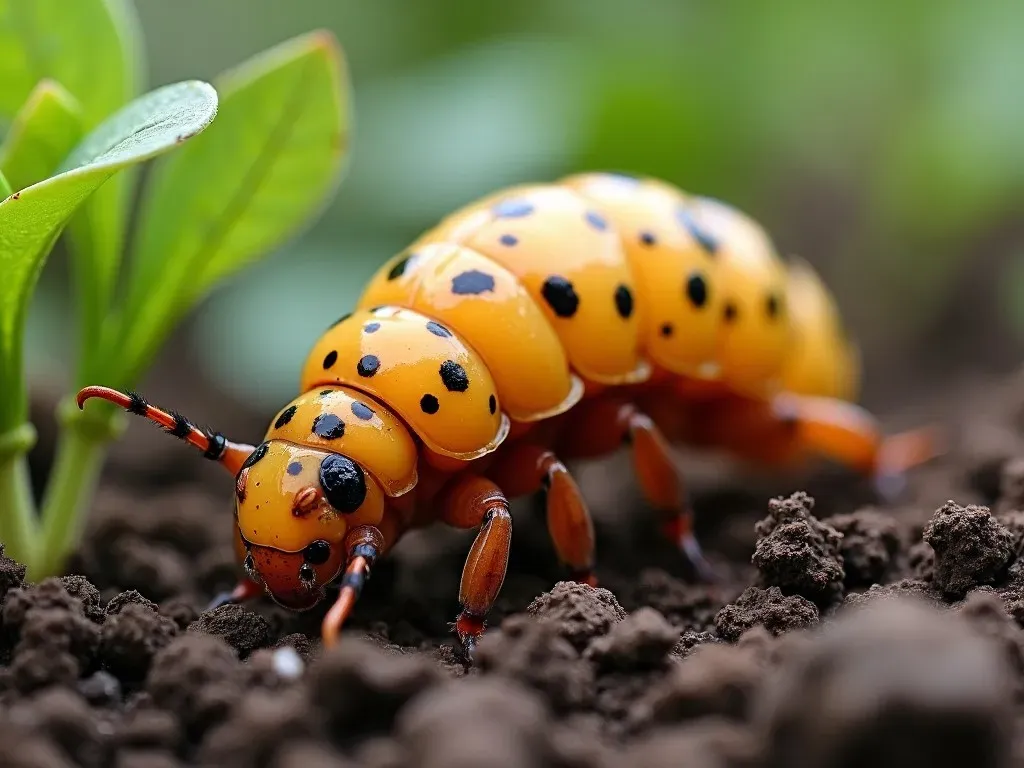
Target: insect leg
364 545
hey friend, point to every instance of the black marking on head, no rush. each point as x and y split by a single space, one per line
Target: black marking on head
472 282
259 453
508 240
367 365
705 239
330 359
181 427
341 319
492 404
648 238
285 417
294 468
697 289
400 267
560 296
597 221
371 327
666 329
454 376
773 306
317 552
730 312
624 301
306 573
438 330
362 411
328 426
429 404
325 393
137 404
343 483
217 445
512 209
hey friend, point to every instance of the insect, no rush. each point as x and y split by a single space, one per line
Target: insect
542 323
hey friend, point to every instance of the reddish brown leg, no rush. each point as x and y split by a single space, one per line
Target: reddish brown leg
525 468
364 545
470 501
245 590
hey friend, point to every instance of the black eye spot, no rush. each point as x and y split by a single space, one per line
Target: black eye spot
306 573
596 220
512 209
330 359
400 267
367 365
285 417
361 411
259 453
429 404
317 552
730 312
328 426
773 306
472 282
454 376
648 238
508 240
697 290
438 330
371 327
343 483
342 319
624 301
294 468
560 296
492 404
704 238
666 329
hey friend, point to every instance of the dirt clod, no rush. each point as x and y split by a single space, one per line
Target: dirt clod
582 612
971 547
131 637
640 641
870 542
241 628
768 608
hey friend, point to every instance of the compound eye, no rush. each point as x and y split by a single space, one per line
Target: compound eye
343 483
317 552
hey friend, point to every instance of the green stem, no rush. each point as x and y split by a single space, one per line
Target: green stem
81 450
18 526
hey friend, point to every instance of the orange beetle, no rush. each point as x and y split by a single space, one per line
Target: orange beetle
544 322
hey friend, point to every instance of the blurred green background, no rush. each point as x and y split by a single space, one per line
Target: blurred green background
881 141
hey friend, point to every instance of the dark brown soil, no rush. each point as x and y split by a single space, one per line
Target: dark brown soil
842 633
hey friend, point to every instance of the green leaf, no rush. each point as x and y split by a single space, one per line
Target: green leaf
44 132
241 189
31 220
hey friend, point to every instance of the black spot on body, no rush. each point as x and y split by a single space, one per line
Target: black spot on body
325 393
508 240
666 329
317 552
512 209
597 221
454 376
704 238
438 330
400 267
361 411
472 282
343 483
330 359
328 426
624 301
730 312
429 404
259 453
773 306
294 468
285 417
367 365
648 238
492 404
560 296
371 327
697 290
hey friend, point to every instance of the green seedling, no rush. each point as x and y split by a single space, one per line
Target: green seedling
249 160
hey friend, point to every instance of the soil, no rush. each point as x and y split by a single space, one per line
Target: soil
841 633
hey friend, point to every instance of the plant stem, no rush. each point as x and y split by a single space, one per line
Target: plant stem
81 450
18 526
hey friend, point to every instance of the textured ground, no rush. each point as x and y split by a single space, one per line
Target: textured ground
840 635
